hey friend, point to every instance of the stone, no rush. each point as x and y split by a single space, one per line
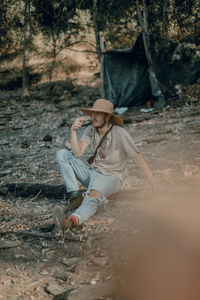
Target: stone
54 289
70 261
88 292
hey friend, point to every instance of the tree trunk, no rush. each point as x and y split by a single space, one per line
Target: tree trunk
99 45
144 31
54 57
102 67
156 91
164 18
145 15
25 76
96 29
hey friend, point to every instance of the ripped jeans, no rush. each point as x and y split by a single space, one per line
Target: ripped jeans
74 170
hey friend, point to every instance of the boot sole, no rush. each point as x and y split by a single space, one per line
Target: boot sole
46 227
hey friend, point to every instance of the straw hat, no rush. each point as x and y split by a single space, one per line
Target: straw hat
105 106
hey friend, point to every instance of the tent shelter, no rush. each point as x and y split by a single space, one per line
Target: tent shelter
126 77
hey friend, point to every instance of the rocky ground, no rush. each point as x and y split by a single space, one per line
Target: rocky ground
38 266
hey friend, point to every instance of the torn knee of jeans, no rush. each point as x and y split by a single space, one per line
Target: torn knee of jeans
100 201
95 194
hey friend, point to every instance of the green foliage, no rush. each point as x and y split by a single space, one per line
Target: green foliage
60 21
187 16
109 11
55 17
11 27
114 18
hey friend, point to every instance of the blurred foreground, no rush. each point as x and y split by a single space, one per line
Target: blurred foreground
160 247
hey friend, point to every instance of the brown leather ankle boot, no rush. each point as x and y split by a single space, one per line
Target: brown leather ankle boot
74 203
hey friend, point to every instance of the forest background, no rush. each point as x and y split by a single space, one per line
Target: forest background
36 37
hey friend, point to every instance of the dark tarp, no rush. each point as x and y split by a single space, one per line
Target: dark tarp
126 76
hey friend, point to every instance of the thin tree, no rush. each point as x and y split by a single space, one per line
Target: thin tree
145 15
96 29
25 76
99 44
156 91
58 22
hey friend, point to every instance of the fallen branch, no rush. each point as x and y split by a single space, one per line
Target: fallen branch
155 140
9 244
28 189
37 234
36 197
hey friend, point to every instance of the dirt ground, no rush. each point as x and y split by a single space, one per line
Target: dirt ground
41 266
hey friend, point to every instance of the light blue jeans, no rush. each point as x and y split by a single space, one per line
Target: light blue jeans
73 170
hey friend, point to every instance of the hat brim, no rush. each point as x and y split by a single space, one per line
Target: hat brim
115 120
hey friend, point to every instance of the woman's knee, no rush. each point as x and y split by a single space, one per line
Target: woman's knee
63 154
